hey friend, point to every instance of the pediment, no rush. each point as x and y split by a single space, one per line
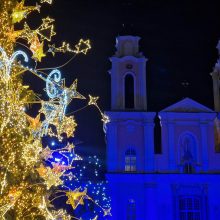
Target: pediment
187 105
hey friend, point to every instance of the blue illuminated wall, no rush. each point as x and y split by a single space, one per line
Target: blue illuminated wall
181 183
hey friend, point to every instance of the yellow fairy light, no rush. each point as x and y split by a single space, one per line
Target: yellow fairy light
83 46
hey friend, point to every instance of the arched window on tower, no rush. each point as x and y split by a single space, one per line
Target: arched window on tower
129 91
130 160
131 210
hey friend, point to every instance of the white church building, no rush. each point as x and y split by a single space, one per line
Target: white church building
183 181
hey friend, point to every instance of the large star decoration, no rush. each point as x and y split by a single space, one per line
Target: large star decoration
39 53
82 47
71 93
52 179
13 35
35 123
76 197
93 100
20 11
46 32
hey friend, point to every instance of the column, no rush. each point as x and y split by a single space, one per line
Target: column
204 140
112 147
172 164
149 146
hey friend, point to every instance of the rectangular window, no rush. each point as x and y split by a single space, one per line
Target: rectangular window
190 208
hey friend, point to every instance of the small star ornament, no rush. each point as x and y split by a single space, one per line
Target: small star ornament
76 197
107 212
93 100
82 47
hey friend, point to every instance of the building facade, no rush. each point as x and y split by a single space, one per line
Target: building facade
183 181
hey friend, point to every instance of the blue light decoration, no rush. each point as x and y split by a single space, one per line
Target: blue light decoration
84 174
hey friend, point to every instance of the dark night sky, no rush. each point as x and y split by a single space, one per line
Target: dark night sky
178 37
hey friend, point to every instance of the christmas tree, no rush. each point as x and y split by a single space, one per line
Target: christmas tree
30 177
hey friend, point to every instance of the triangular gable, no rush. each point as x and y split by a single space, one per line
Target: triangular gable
187 105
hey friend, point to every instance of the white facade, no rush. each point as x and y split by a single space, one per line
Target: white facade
181 183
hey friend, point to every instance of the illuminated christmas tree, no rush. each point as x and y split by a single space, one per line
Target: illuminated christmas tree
31 176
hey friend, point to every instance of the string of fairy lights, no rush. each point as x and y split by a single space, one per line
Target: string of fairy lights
33 177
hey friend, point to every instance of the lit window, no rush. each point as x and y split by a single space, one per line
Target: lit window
130 160
131 210
190 208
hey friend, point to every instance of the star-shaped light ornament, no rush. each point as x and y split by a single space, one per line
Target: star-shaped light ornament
46 30
105 118
71 93
35 123
76 197
13 35
42 170
95 218
46 1
93 100
20 11
35 44
107 212
39 53
82 47
51 178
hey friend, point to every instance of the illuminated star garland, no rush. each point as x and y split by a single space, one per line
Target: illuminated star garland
25 174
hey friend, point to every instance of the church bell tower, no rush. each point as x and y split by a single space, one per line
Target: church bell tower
130 132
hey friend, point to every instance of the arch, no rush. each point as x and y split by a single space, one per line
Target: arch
129 91
188 152
130 160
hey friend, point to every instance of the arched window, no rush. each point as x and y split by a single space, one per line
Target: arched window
188 154
131 210
129 91
190 208
130 160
